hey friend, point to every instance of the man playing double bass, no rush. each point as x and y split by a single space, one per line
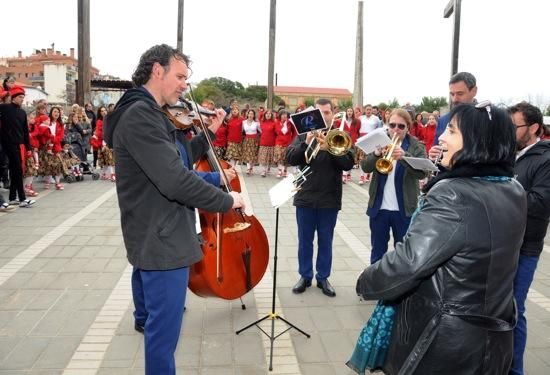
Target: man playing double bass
157 198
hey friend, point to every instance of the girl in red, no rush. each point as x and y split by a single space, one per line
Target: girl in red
429 132
50 137
220 143
105 158
285 133
234 136
31 163
267 142
351 126
417 128
251 129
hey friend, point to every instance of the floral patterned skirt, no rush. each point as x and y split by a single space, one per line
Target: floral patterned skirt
220 152
30 167
265 155
233 151
50 164
105 157
250 150
279 155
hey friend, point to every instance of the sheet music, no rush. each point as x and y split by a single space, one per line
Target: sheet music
283 191
375 139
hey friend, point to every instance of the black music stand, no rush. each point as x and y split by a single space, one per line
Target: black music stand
273 315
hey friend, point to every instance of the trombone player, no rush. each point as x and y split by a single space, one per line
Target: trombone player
319 199
394 189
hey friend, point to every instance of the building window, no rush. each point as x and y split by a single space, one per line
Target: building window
26 75
292 101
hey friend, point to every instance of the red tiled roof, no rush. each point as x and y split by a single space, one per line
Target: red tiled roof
310 90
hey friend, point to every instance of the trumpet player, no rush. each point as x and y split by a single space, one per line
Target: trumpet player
394 188
317 203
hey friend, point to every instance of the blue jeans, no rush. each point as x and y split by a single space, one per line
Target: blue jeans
322 220
159 299
380 231
527 266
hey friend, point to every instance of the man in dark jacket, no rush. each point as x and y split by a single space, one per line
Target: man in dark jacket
317 205
533 172
157 197
14 134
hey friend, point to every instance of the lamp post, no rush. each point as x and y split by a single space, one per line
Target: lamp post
271 59
453 8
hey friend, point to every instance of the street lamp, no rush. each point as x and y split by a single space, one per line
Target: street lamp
453 7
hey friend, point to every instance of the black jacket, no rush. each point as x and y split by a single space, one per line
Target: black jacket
533 172
451 280
323 187
156 193
13 125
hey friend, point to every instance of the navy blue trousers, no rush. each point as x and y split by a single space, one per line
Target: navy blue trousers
159 299
322 220
527 266
380 231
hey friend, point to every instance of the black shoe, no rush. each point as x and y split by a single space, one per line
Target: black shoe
301 286
138 327
327 289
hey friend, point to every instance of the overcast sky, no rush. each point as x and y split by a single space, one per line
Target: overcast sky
407 44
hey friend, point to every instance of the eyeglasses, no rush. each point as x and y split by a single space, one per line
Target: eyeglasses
487 105
392 125
522 126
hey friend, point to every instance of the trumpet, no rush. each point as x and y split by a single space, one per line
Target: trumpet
384 165
338 141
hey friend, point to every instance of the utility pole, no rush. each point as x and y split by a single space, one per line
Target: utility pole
358 78
180 26
271 60
453 8
84 65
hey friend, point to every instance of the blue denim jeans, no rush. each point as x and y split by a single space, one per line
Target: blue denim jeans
380 226
527 266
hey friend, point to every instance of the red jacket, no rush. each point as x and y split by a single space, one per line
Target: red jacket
58 137
417 130
284 139
34 135
97 139
235 130
429 135
352 129
221 136
267 137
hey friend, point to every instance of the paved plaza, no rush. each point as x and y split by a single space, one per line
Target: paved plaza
66 308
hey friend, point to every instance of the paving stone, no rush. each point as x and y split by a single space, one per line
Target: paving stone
25 354
58 353
217 350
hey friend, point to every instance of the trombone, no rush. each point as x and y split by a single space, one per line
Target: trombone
339 142
384 165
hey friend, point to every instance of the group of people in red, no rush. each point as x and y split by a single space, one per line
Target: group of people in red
255 138
37 142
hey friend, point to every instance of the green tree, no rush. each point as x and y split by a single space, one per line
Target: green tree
258 93
394 103
547 113
382 106
344 104
309 101
430 104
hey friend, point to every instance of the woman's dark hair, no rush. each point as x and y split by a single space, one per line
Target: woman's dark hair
157 54
265 112
488 135
283 112
248 111
99 116
51 113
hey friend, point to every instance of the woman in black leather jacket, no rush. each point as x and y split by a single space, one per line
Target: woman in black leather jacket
450 279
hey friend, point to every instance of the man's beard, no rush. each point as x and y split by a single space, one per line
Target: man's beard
522 142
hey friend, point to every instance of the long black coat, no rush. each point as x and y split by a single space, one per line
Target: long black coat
452 280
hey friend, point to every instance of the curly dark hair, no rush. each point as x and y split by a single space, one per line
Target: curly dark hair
161 54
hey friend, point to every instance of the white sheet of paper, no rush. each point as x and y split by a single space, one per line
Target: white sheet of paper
421 164
376 138
282 191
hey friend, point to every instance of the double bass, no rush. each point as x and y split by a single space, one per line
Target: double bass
235 246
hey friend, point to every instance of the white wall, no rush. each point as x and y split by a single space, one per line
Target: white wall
33 94
55 82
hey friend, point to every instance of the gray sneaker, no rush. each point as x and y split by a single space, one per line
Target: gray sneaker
14 203
4 207
27 203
